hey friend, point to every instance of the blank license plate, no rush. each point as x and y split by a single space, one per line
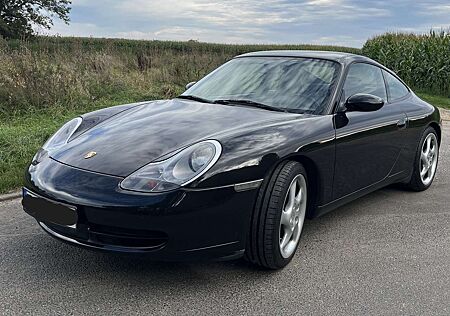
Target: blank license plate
45 210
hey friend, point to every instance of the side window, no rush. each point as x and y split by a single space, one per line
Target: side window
396 88
364 78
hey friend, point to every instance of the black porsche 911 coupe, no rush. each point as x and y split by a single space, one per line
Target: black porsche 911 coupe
233 166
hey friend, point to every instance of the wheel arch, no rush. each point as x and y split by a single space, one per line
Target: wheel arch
437 128
313 179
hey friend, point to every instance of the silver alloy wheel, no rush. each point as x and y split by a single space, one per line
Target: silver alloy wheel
293 216
428 159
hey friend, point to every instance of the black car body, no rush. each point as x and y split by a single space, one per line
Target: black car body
346 154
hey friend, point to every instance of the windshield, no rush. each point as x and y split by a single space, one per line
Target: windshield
300 85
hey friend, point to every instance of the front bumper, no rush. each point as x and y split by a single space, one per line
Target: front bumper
179 225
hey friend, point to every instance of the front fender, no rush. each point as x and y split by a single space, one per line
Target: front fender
251 155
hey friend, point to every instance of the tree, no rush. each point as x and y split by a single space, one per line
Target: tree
17 17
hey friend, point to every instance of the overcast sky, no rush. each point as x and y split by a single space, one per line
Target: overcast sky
336 22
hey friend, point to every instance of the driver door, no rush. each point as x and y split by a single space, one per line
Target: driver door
368 144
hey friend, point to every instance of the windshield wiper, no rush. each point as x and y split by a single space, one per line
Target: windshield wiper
194 98
250 103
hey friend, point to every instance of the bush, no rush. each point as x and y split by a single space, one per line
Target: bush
423 61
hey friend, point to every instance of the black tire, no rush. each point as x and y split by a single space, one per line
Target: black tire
263 247
416 184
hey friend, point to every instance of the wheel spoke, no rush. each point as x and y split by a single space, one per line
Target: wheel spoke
424 171
286 237
428 145
424 159
433 150
292 191
285 217
299 196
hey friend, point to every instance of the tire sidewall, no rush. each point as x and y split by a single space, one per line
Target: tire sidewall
278 258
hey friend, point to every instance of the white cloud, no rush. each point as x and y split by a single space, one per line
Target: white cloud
339 40
212 12
81 3
76 29
237 21
338 22
436 9
423 28
180 33
325 2
250 12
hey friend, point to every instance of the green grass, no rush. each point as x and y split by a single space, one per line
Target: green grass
437 100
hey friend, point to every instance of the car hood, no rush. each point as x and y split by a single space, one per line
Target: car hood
137 136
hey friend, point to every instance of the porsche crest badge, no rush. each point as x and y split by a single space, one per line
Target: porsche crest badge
90 154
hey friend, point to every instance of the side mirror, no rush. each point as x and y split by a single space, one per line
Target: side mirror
362 102
190 84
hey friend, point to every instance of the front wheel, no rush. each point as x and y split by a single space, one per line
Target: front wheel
426 161
278 218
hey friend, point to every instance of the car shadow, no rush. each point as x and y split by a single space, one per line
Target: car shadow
49 258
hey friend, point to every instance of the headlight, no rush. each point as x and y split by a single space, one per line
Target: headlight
60 138
177 171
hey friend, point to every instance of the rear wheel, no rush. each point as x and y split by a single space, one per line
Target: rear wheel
278 217
426 161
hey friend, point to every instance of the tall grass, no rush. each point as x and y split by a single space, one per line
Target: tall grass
423 61
52 72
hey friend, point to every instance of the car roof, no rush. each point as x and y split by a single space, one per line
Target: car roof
329 55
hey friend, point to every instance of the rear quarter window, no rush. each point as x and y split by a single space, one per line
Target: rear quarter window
396 88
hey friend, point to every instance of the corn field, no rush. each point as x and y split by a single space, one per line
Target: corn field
52 72
423 61
69 73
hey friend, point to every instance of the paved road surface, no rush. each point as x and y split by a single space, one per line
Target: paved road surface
387 253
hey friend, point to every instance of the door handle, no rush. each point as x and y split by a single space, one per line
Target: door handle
402 123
